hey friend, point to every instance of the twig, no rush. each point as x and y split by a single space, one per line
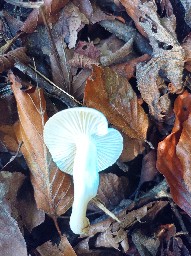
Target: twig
125 33
96 201
119 54
119 29
13 157
48 85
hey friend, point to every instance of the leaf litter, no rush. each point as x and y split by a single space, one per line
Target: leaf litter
127 60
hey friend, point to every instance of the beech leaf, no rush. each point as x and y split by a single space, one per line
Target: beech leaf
112 94
53 190
174 152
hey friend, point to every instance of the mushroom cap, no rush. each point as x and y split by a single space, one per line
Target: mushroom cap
64 129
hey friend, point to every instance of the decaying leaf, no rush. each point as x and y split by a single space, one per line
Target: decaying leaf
8 60
114 97
27 208
131 148
76 21
171 242
50 8
78 83
148 170
173 157
187 50
112 189
187 7
128 69
87 49
52 188
82 61
11 239
8 141
145 244
63 249
167 55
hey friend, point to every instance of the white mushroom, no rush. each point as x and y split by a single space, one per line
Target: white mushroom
81 144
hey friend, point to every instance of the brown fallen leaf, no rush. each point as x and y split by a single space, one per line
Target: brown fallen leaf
78 83
173 154
50 9
128 69
114 97
84 6
87 49
112 189
167 54
148 170
63 249
11 239
187 50
131 148
144 243
171 243
8 60
12 183
82 61
27 208
52 188
8 140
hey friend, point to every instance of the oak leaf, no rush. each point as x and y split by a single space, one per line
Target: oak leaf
173 157
52 188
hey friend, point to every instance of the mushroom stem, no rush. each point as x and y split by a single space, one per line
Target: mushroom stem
86 181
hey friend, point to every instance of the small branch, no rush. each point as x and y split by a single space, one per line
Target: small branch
119 54
119 29
96 201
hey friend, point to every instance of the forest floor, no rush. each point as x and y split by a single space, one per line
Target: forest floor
130 60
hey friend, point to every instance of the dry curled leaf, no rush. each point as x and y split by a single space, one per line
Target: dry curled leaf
128 69
50 8
8 141
148 170
173 157
171 243
82 61
87 49
114 97
167 54
85 7
9 229
52 188
8 60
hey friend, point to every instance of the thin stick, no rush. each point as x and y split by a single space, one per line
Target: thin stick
96 201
